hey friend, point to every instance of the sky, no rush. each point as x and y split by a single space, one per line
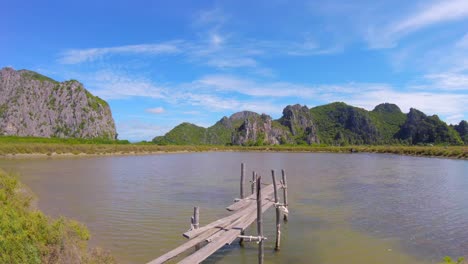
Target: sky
160 63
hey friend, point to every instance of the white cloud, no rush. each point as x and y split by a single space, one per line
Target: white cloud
156 110
211 17
436 12
116 85
217 103
216 39
454 119
138 131
463 42
446 104
232 62
220 51
226 83
427 15
76 56
448 81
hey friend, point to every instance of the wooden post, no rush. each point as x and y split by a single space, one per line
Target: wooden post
252 184
259 219
285 194
196 217
242 181
278 213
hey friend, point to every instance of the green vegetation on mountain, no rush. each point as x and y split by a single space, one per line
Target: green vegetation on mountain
342 124
462 130
422 129
388 119
29 236
336 124
183 134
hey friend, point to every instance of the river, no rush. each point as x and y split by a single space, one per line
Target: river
344 208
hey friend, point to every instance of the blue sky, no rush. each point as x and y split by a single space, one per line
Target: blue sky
160 63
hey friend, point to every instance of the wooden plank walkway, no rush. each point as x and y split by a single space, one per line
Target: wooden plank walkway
215 235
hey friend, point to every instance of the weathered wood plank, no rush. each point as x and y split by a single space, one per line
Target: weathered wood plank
184 247
251 211
251 199
212 234
226 220
224 238
216 224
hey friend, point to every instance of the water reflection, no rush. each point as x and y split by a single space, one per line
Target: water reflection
345 208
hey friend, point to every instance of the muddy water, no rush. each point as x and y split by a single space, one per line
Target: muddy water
345 208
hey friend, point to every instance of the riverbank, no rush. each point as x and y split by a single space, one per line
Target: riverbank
29 236
27 149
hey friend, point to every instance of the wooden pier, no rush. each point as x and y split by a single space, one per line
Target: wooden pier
246 210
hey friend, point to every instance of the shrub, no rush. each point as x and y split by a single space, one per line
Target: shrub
29 236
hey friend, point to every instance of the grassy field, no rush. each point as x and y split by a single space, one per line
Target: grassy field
24 145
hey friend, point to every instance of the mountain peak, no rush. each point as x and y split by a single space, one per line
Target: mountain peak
387 108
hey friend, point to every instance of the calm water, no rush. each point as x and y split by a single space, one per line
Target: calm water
345 208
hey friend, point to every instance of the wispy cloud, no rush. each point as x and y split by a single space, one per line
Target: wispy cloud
156 110
424 16
447 81
137 130
75 56
445 104
463 42
117 85
226 83
214 17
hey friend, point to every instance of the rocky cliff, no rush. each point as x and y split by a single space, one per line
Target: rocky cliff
35 105
422 129
260 130
339 123
298 119
333 124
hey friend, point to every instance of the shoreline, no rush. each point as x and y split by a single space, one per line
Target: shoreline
30 152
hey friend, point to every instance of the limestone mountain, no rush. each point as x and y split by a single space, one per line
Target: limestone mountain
35 105
260 130
242 128
420 128
339 123
300 122
388 119
332 124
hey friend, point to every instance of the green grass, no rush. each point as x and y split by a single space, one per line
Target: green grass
449 260
29 236
17 145
71 141
37 76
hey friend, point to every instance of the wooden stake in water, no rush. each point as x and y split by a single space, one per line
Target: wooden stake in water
259 219
196 217
278 213
252 184
285 194
242 181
